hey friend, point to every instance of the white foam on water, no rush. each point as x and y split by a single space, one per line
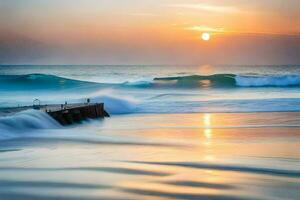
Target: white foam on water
114 103
260 81
24 122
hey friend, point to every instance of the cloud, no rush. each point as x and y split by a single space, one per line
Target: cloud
202 28
205 29
208 7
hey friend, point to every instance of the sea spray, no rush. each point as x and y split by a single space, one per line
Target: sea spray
114 103
26 121
261 81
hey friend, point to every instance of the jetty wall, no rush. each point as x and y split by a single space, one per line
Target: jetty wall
75 114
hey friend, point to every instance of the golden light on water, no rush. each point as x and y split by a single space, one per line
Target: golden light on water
207 130
205 36
208 133
206 69
207 119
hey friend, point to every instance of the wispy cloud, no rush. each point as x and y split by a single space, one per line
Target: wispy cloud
218 30
205 29
208 7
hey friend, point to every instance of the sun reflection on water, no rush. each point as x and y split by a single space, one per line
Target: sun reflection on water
208 132
207 119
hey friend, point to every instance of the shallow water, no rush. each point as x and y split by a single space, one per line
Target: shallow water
176 132
157 156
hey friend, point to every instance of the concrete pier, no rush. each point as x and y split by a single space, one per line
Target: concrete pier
76 113
65 114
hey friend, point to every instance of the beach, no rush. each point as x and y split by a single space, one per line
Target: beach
168 156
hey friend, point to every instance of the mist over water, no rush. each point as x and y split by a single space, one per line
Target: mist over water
175 132
170 156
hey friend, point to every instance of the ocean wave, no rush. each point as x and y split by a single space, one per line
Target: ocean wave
116 104
44 82
17 124
138 83
39 82
230 80
260 81
216 80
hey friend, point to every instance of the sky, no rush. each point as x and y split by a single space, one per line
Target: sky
149 32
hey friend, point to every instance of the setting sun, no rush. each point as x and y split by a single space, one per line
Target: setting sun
205 36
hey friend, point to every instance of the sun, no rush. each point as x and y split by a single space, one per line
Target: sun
205 36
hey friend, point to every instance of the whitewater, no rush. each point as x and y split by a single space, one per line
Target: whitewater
175 132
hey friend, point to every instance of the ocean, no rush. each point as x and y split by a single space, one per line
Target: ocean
156 89
175 132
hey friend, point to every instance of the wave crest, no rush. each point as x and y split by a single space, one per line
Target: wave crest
113 103
38 82
260 81
217 80
51 82
12 126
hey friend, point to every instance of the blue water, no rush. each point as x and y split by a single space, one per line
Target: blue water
156 89
175 132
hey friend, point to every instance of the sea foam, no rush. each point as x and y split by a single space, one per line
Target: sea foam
260 81
20 123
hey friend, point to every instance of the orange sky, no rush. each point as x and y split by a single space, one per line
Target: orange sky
150 31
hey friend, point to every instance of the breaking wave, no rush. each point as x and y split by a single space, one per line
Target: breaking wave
231 80
39 82
19 123
278 81
43 81
116 104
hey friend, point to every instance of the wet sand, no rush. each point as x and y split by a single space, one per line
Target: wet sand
165 156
